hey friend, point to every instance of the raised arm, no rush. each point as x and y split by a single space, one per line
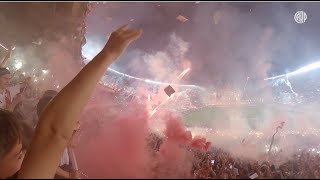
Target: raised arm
59 119
6 58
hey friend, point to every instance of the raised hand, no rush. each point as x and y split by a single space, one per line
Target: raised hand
57 122
120 40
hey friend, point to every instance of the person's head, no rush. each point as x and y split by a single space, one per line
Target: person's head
44 100
5 78
50 93
263 170
11 149
21 77
42 104
28 80
206 163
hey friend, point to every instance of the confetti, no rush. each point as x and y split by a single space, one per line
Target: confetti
169 90
181 18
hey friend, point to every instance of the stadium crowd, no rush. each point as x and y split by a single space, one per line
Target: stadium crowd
36 130
219 164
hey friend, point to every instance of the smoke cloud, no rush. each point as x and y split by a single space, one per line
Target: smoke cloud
122 151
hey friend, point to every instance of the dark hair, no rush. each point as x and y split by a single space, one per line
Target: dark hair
42 104
4 71
44 100
50 93
10 132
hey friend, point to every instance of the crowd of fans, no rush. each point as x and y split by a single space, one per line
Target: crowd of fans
219 164
19 95
44 126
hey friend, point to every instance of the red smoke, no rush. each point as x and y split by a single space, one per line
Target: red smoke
118 148
174 161
176 131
